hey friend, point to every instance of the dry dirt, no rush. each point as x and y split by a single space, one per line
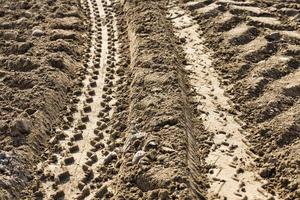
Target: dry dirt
150 99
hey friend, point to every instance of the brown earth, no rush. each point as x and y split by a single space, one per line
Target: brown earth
97 101
256 47
40 58
159 107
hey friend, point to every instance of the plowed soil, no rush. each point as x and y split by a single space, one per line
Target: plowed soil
152 99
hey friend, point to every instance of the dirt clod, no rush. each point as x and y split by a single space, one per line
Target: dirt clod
20 127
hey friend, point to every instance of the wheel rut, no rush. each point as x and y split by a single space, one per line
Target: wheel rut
73 170
116 99
231 173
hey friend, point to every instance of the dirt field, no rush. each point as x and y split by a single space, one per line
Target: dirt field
152 99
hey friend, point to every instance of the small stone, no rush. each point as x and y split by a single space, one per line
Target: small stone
161 158
38 33
136 158
167 150
151 144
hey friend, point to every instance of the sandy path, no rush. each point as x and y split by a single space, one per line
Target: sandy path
84 144
232 175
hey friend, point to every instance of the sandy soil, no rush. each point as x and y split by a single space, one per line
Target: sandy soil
152 99
41 47
232 175
256 51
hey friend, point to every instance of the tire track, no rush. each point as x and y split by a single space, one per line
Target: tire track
257 36
231 174
73 173
256 50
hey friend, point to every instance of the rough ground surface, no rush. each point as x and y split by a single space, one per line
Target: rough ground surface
152 99
256 50
232 174
40 61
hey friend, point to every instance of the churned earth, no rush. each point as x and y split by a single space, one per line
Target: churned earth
152 99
